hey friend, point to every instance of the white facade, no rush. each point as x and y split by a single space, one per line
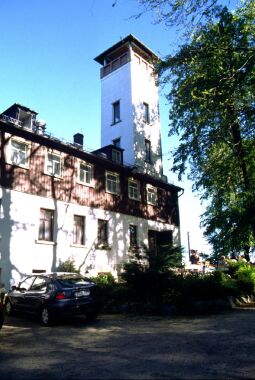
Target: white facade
133 85
19 226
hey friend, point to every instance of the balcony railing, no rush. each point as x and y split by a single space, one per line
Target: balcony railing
114 65
11 120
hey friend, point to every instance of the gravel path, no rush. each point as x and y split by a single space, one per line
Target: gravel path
219 346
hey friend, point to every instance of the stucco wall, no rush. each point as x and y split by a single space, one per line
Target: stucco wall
21 252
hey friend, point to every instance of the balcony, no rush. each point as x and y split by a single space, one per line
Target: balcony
115 64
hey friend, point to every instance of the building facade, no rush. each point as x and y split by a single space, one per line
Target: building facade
59 202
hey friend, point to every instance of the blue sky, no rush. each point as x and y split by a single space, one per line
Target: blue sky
47 64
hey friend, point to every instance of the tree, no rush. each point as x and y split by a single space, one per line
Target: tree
213 111
187 14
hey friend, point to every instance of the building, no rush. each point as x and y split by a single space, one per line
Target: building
59 201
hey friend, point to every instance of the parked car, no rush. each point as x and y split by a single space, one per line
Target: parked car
53 296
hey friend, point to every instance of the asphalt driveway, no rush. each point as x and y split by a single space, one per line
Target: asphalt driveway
220 346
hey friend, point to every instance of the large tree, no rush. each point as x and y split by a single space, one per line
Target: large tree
186 14
213 111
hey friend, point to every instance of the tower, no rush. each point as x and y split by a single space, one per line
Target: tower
129 104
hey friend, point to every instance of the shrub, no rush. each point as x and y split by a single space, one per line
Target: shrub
111 294
67 266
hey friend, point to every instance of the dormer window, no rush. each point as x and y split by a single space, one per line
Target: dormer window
116 156
116 112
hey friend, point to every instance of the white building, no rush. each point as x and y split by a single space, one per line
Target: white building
59 202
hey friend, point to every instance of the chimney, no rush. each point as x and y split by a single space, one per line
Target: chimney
78 139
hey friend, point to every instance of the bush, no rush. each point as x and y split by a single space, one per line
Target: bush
208 286
111 294
67 266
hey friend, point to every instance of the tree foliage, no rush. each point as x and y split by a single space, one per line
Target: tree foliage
188 15
213 111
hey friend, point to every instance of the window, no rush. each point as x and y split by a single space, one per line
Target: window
112 183
147 150
39 285
152 239
54 166
27 283
133 189
102 231
152 195
78 229
146 113
116 156
46 224
116 112
19 153
86 173
133 235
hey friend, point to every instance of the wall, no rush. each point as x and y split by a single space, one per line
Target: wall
21 252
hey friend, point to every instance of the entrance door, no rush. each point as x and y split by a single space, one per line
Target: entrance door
158 239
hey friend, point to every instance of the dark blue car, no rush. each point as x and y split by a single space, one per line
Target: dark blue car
53 296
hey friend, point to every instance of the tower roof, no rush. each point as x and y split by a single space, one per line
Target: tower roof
134 42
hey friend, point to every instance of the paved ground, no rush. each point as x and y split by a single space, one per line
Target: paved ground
117 347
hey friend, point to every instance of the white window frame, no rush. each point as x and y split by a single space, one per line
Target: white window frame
46 225
112 183
47 164
88 176
19 158
133 189
79 230
151 195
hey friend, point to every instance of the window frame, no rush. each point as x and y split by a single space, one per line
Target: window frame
111 182
47 161
90 173
147 144
79 230
151 190
117 154
26 153
102 232
46 231
146 113
131 196
133 236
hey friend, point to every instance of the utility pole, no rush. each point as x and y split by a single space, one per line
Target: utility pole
188 244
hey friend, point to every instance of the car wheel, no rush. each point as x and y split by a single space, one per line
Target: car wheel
46 318
8 307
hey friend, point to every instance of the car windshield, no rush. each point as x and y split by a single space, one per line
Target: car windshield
68 281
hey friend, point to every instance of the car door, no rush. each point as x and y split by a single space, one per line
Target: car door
34 295
18 295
